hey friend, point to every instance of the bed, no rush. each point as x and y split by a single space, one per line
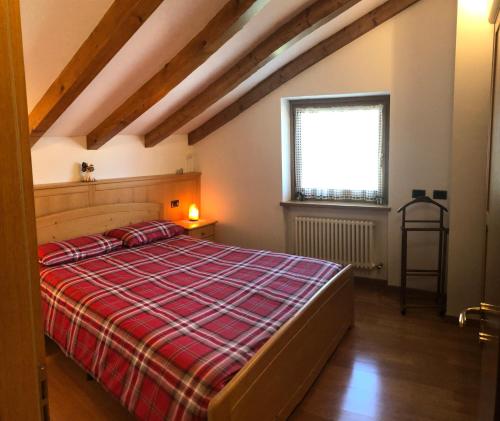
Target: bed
300 308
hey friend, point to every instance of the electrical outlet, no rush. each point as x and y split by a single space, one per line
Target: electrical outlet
174 203
417 193
440 194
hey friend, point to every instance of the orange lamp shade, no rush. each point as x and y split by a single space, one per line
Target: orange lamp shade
193 213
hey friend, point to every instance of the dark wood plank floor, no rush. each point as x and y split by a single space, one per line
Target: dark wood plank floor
389 367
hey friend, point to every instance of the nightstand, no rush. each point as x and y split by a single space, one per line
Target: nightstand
204 228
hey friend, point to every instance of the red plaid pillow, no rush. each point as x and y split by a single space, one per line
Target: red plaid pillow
145 232
76 249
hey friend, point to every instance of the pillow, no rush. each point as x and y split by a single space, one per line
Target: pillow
76 249
145 232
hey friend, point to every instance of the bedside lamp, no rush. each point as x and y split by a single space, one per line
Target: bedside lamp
193 213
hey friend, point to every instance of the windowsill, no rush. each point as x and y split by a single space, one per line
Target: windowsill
325 204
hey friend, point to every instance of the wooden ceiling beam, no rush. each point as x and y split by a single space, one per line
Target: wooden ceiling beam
275 44
340 39
229 20
120 22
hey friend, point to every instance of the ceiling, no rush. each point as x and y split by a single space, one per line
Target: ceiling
53 30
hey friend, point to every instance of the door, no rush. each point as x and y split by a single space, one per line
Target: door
489 310
22 389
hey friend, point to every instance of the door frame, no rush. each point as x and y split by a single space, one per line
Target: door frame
23 393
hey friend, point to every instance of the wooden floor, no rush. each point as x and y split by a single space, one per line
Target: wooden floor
389 367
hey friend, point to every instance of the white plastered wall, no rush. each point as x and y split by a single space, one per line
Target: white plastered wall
474 46
411 57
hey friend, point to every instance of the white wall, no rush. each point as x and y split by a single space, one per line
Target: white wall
471 122
411 57
57 159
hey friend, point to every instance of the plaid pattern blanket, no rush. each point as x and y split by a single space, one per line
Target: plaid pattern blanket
166 325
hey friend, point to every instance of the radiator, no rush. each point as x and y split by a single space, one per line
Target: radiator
338 240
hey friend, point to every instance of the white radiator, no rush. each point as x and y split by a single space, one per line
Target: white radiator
338 240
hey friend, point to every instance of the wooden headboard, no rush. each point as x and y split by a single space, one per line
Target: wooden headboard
162 189
67 210
93 220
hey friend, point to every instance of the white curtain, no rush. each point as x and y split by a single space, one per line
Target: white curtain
339 152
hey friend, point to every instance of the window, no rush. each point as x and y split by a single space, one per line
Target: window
339 148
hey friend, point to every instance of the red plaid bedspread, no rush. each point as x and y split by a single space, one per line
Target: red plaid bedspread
165 326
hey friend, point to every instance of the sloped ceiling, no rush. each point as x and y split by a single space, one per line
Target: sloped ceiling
53 30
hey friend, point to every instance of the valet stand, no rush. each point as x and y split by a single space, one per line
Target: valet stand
424 225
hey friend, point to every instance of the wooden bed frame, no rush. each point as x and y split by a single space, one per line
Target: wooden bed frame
278 376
